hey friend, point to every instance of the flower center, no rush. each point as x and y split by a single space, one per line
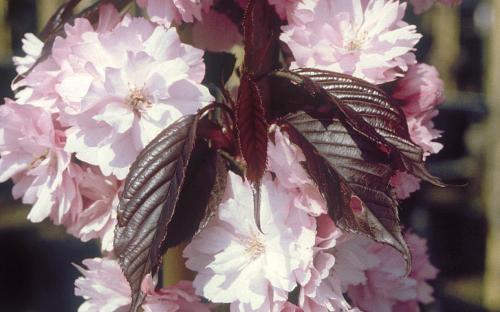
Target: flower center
138 100
254 247
39 159
358 39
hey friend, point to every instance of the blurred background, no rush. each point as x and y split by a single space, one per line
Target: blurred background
462 224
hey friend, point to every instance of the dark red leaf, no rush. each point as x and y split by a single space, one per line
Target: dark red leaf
252 128
359 105
354 140
147 204
353 177
200 195
261 31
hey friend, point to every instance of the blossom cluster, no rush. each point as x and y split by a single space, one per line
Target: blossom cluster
83 113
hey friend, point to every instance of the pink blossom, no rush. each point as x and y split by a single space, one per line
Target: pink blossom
381 283
32 46
422 132
31 150
239 264
404 184
386 283
285 160
290 307
100 201
420 90
104 288
116 86
323 291
422 270
166 12
364 38
207 32
151 80
54 79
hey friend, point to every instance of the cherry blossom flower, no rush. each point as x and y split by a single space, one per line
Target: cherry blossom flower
151 80
62 77
323 291
237 263
386 283
374 274
404 184
363 38
419 92
100 201
104 288
422 270
423 133
32 46
116 86
165 12
32 154
284 159
207 32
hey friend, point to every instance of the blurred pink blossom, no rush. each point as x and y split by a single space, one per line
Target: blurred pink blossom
364 38
404 184
100 201
422 270
104 288
383 284
207 32
420 91
32 154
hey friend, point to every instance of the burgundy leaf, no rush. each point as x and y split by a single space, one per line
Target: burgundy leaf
354 140
359 105
353 176
261 31
200 195
252 128
147 204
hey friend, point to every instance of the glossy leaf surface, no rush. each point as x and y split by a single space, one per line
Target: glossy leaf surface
148 202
